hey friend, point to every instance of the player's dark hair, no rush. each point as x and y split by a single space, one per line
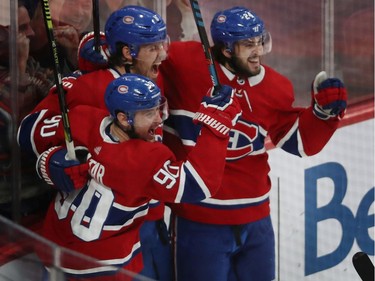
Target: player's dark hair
217 53
117 59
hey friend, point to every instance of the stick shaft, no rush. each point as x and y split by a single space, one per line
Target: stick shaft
58 79
205 44
96 24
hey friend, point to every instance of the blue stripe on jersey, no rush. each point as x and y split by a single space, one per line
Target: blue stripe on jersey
153 203
232 206
118 215
107 267
194 187
184 125
25 132
291 145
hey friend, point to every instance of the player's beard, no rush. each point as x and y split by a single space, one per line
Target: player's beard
132 133
240 68
129 130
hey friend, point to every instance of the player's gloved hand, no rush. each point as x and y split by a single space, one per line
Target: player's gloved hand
66 175
219 111
88 58
329 97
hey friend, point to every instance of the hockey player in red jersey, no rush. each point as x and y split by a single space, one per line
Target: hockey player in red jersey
136 39
128 168
230 236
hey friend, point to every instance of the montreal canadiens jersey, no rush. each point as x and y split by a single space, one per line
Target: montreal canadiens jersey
34 135
266 101
87 89
102 220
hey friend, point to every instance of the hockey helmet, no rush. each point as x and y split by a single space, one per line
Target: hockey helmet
238 23
134 26
131 93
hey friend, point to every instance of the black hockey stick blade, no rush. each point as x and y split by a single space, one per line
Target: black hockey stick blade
363 266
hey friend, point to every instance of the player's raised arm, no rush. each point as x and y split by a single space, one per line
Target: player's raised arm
317 123
130 152
135 104
199 176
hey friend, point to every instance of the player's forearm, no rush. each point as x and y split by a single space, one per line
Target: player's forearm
208 157
40 131
315 133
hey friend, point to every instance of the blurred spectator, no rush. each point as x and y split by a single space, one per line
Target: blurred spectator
34 83
174 18
71 19
180 19
76 13
187 23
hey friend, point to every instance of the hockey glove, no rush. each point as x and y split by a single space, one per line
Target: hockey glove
88 58
219 111
329 97
66 175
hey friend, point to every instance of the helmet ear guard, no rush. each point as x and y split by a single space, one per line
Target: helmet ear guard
133 50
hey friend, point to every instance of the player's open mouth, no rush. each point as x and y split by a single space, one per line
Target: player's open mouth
151 132
155 67
151 135
253 59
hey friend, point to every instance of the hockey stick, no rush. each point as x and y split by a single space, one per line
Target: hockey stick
96 24
205 44
58 79
363 266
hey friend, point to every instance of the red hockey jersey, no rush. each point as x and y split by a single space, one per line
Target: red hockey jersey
103 219
87 89
266 101
37 130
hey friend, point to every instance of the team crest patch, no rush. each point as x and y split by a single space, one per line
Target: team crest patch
221 19
122 89
242 139
128 20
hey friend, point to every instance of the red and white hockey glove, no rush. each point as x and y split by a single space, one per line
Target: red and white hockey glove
219 111
88 58
66 175
329 97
